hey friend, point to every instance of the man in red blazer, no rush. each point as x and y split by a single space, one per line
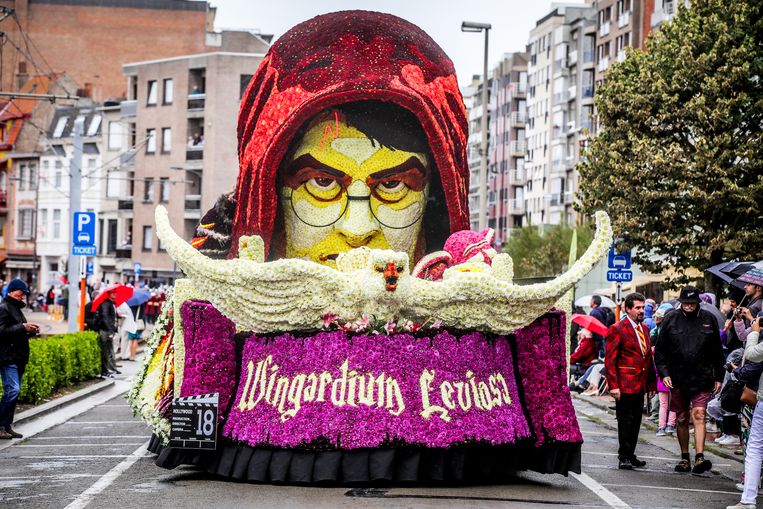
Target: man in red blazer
630 374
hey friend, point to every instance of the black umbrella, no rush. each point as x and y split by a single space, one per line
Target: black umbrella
729 271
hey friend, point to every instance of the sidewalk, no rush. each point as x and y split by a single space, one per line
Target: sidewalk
606 405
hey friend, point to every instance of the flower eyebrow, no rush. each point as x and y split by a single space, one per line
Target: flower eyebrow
410 164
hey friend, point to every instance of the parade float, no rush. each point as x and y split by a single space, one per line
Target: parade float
336 311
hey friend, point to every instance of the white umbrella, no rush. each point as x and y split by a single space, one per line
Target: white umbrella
585 302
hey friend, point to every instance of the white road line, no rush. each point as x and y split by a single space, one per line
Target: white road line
74 456
103 422
600 491
737 493
650 457
88 437
80 445
108 478
61 476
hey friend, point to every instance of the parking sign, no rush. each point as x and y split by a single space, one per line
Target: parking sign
84 229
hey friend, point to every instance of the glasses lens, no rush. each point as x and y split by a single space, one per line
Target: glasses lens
318 217
397 219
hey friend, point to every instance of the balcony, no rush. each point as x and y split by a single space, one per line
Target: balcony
623 19
124 252
557 200
518 147
558 166
518 88
620 56
588 56
196 102
665 14
128 108
586 91
518 176
194 153
604 29
193 202
603 64
572 58
561 97
517 206
518 117
127 158
124 204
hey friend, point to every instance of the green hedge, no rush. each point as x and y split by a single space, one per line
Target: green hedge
58 361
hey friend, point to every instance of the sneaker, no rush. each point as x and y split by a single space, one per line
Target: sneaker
661 432
740 486
684 466
13 433
729 440
720 438
740 505
701 466
670 430
4 435
637 462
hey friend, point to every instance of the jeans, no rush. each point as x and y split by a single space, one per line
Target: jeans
11 376
665 415
107 352
754 456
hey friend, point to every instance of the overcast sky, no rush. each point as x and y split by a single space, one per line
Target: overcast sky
441 19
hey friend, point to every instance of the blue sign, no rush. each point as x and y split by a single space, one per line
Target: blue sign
83 250
90 268
83 229
138 267
619 276
619 261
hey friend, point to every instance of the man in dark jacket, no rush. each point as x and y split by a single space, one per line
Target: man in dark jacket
107 327
690 361
14 352
600 314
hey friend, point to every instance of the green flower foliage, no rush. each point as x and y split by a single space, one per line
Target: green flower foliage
544 253
678 163
59 361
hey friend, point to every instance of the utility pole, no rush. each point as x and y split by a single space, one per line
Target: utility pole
74 265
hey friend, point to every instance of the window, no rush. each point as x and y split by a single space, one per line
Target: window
152 92
32 176
60 126
113 186
245 79
111 243
150 141
167 91
58 179
166 139
56 223
92 171
148 238
23 176
116 132
148 190
95 123
164 189
24 227
42 225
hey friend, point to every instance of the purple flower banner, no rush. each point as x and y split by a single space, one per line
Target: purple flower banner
350 389
355 390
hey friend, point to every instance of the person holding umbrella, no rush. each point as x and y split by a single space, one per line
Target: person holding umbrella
630 374
106 305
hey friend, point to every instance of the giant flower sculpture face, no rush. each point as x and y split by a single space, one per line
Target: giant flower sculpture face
342 190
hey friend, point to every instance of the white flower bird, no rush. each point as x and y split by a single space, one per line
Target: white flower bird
292 294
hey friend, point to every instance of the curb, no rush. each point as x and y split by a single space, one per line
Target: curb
647 424
64 401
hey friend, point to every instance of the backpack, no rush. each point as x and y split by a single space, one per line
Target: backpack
92 319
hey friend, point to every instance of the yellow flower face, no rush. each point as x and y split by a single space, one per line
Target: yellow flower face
343 190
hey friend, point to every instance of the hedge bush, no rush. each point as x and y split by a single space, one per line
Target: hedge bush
59 361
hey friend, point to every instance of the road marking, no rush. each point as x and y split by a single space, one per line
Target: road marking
108 478
650 457
74 456
80 437
672 488
80 445
61 476
600 491
103 422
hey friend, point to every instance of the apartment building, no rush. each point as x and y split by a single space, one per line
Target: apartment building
507 150
663 11
182 113
472 95
621 24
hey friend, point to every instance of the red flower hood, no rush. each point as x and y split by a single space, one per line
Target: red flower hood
335 59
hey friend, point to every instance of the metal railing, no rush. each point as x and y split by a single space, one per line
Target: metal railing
196 102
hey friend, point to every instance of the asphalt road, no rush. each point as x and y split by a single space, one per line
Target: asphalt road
97 459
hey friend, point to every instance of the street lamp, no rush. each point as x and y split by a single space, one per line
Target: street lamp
471 26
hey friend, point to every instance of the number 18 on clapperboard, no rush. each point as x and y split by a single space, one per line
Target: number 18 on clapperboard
194 422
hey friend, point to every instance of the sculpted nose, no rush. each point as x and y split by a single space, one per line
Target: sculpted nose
357 225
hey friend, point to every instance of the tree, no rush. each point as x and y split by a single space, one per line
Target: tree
544 253
678 163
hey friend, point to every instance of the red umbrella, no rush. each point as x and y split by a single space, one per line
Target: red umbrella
591 323
123 295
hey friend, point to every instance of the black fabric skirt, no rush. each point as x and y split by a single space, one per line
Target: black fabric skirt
466 464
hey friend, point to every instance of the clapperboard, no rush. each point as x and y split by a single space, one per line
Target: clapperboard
194 422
